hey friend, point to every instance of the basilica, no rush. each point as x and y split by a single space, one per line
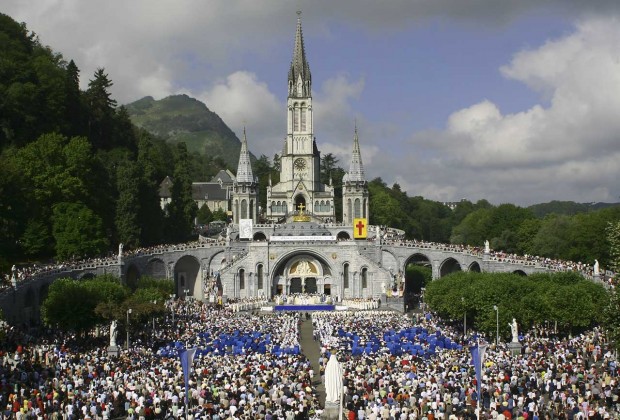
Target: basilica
298 246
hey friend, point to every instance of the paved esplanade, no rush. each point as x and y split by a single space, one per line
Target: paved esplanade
312 350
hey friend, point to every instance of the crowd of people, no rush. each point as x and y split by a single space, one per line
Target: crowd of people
553 377
68 377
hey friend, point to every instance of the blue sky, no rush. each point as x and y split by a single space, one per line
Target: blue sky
478 99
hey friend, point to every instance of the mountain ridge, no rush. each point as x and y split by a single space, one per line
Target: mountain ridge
181 118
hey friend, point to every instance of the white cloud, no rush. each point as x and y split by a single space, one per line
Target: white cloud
566 150
242 100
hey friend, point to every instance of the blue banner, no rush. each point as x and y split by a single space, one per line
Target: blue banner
477 359
187 360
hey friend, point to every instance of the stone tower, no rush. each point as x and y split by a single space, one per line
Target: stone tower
355 187
245 188
300 187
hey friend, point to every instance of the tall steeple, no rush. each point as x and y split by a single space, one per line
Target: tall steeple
354 187
356 168
244 169
299 77
245 188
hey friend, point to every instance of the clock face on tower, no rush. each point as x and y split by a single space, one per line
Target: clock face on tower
300 165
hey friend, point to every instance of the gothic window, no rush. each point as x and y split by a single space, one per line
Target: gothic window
260 276
296 118
251 209
317 207
284 208
349 210
364 278
364 209
274 209
241 279
302 111
345 276
356 207
244 209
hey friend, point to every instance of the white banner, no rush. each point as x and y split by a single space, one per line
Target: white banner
301 238
245 229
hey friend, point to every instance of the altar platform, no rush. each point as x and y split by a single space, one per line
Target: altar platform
302 307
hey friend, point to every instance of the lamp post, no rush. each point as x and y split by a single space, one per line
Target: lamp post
128 312
172 296
464 318
496 324
154 303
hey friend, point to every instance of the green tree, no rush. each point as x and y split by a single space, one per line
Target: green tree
78 231
182 208
128 205
473 229
204 215
101 110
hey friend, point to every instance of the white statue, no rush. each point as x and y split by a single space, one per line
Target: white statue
113 333
120 250
597 270
487 247
514 329
383 287
333 380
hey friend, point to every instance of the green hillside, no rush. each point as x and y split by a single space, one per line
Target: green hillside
179 118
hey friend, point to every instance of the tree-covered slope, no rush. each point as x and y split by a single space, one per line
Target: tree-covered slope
179 118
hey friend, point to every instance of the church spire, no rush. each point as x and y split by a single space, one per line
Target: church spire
356 169
299 78
244 169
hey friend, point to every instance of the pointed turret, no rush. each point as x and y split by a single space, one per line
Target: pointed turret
356 169
244 169
299 77
354 187
245 188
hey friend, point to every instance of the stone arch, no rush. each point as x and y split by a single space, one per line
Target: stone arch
155 268
217 261
282 266
131 276
474 267
520 273
259 236
343 236
87 276
414 278
449 265
186 276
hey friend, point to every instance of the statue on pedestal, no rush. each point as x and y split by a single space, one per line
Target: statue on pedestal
487 247
597 270
514 329
113 333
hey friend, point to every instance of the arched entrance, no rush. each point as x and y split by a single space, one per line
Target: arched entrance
418 272
449 266
474 267
186 276
300 203
301 273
